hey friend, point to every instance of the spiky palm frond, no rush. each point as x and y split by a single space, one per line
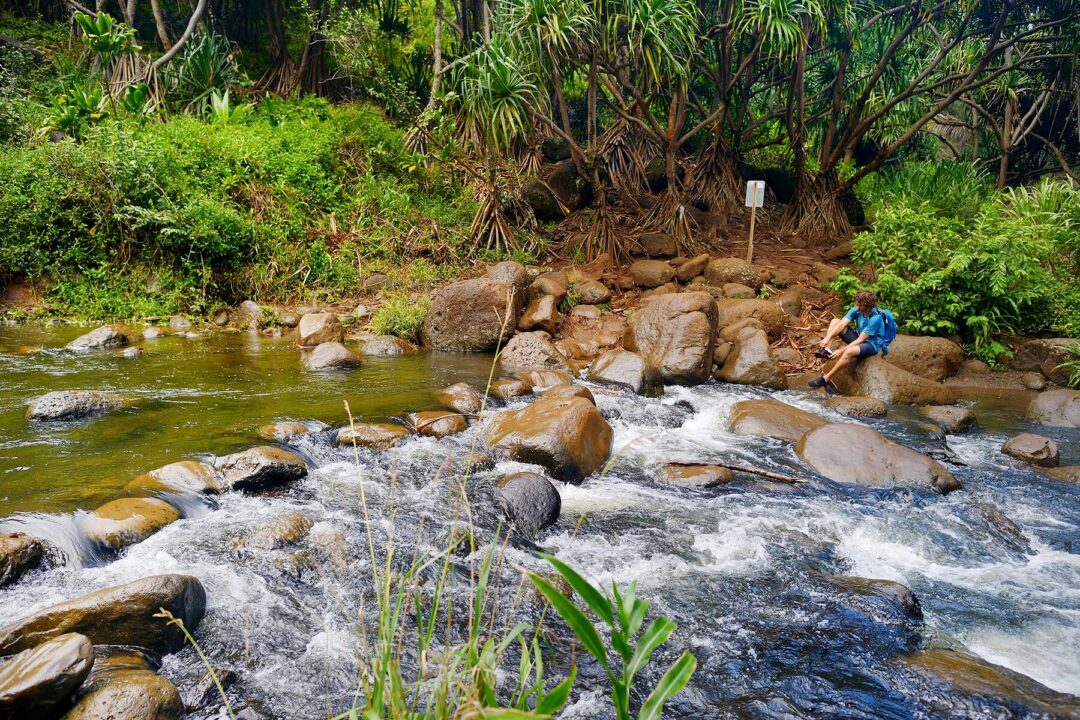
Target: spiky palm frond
660 35
496 91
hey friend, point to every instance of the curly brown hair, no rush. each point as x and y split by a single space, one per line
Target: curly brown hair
865 297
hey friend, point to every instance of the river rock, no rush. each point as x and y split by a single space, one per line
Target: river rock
751 363
1033 449
732 270
508 388
1056 407
1033 381
692 268
179 324
738 291
1065 473
951 418
127 521
899 600
130 353
38 682
541 314
546 378
721 353
731 332
104 338
287 529
461 398
185 476
769 313
665 289
529 501
68 405
260 468
675 334
856 454
318 328
205 691
331 356
857 406
893 385
470 315
121 615
773 419
378 436
935 358
656 245
387 346
550 284
651 273
116 692
18 553
437 423
249 315
569 391
593 292
1045 356
567 436
627 369
695 475
532 351
283 432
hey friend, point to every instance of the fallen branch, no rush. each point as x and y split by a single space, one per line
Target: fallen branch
418 428
789 479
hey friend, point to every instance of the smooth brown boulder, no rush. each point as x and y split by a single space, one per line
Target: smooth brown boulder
773 419
104 338
437 423
38 682
732 270
593 292
856 454
550 284
731 332
692 268
675 334
127 521
331 356
116 692
751 363
1033 449
386 346
1045 356
460 397
858 406
878 378
546 378
18 553
935 358
471 315
185 476
532 351
283 431
567 391
1056 407
738 291
317 328
121 615
73 405
567 436
651 273
541 314
695 475
627 369
508 388
529 501
951 418
260 468
656 245
378 436
768 313
1065 473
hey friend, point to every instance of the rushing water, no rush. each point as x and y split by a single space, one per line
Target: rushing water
742 569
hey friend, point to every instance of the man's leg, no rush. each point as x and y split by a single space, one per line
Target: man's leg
836 326
844 358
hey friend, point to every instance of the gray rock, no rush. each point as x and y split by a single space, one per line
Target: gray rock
38 682
249 315
934 358
532 351
627 369
73 405
529 501
1056 407
131 352
951 418
205 692
317 328
593 292
1045 356
331 356
104 338
1033 449
260 468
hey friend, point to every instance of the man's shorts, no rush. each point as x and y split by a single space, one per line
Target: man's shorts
865 350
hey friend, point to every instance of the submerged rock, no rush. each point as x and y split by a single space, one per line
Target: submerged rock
378 436
331 356
18 553
675 334
185 476
1056 407
38 682
104 338
898 600
283 432
951 418
73 405
121 615
695 475
318 328
773 419
1033 449
627 369
460 397
437 423
260 468
529 501
205 691
127 521
1065 473
288 529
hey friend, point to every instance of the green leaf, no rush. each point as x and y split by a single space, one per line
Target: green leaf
654 636
590 594
670 685
508 714
573 617
554 701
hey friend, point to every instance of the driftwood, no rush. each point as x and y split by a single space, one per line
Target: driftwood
789 479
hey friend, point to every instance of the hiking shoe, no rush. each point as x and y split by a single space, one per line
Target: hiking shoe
819 383
831 389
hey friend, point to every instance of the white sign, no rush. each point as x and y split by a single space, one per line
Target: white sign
755 193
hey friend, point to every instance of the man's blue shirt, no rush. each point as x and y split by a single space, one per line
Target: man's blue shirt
873 326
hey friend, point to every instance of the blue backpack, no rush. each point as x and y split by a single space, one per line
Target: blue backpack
890 329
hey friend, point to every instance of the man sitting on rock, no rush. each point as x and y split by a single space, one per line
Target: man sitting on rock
866 339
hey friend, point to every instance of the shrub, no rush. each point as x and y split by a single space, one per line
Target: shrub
401 315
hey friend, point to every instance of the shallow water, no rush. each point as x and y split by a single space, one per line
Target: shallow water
741 569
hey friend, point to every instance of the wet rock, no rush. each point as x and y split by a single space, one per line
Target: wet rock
532 351
550 284
529 501
378 436
387 346
152 333
469 315
1065 473
858 406
331 356
567 436
773 419
121 615
104 338
541 314
508 388
695 475
738 291
593 292
318 328
205 692
1003 528
951 418
127 521
249 315
899 600
627 369
546 378
131 353
460 397
935 358
568 391
1056 407
69 405
651 273
1033 449
769 313
283 432
657 245
675 334
120 693
260 468
1045 356
185 476
437 423
751 363
732 270
692 268
878 378
1033 381
288 529
18 554
855 454
38 682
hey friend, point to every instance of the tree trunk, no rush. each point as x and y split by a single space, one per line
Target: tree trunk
816 212
1006 142
311 74
159 22
280 74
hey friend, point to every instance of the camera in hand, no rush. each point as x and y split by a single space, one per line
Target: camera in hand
823 353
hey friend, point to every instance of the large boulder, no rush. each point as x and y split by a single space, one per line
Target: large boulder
656 245
675 334
721 271
567 436
378 436
260 468
651 273
1056 407
18 553
543 201
773 419
541 314
856 454
121 615
124 687
387 346
1045 356
573 191
471 315
104 338
935 358
627 369
461 398
751 363
768 313
38 682
878 378
1033 449
185 476
532 351
318 328
331 356
529 501
72 405
127 521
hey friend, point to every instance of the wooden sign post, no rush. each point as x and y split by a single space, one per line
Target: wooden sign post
755 198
